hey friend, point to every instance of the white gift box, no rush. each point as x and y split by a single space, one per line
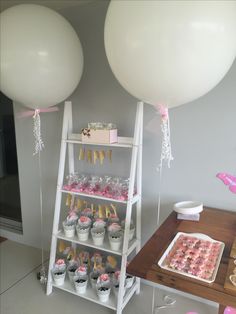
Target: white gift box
99 136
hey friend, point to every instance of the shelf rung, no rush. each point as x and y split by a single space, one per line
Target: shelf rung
89 295
105 247
125 142
135 198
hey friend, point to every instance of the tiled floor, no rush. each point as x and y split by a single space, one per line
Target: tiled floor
22 293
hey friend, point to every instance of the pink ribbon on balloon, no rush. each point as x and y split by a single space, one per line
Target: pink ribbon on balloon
162 110
31 113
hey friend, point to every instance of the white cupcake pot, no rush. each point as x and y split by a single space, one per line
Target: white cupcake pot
115 240
69 230
103 295
59 276
98 236
81 287
71 274
83 233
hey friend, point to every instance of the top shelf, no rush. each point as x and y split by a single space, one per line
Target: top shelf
126 142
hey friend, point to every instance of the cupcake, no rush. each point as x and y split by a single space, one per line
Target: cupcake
103 288
115 235
71 270
83 228
59 272
98 235
69 224
81 279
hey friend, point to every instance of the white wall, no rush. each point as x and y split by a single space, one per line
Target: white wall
203 137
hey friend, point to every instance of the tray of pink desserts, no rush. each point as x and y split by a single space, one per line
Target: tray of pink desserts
194 255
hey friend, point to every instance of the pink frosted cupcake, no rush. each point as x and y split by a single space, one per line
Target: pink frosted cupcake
81 279
103 287
59 272
69 224
115 235
83 228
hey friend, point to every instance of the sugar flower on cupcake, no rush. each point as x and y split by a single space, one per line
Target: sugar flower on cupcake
60 264
81 271
84 221
103 279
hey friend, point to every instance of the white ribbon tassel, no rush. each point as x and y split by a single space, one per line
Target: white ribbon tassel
166 153
38 142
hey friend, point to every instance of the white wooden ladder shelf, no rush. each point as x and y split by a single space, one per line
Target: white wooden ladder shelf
135 144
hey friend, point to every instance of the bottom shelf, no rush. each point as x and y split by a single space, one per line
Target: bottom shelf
92 296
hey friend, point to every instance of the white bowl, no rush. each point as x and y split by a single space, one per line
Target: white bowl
188 207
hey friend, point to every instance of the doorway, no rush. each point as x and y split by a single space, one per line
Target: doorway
10 203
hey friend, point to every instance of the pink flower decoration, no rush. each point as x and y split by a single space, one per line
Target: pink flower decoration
104 277
163 111
60 262
84 219
81 269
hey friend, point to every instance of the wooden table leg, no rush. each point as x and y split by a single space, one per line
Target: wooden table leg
221 309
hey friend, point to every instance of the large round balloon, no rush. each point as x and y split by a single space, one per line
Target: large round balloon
170 52
41 58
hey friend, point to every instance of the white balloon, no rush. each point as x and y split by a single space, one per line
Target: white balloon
41 58
170 52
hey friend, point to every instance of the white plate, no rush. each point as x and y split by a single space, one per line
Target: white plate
188 207
200 236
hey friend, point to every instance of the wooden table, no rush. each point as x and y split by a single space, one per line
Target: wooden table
219 225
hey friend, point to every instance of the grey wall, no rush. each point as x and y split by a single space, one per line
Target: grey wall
203 138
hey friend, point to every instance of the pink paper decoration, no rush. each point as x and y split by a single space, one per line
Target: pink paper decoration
229 180
230 310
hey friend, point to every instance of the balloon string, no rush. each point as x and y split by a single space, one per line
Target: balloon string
166 155
158 221
39 145
42 272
